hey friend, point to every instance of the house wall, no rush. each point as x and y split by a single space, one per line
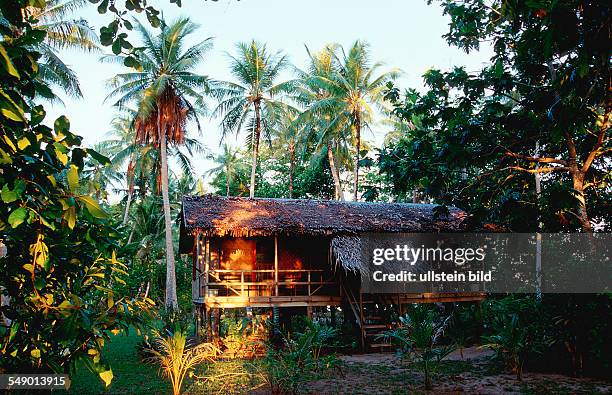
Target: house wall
258 253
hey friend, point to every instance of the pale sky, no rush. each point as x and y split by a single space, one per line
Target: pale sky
405 34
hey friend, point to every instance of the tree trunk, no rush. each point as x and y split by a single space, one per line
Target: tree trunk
257 105
130 185
583 215
127 206
291 160
227 180
357 125
335 174
171 298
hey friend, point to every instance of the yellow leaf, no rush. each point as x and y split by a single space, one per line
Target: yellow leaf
9 142
52 179
73 178
61 156
70 217
107 377
23 143
92 351
35 353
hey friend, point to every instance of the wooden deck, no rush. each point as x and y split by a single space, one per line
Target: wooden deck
268 301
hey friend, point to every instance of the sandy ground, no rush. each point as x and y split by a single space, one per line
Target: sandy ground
385 373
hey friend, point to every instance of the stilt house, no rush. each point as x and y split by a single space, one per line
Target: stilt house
289 253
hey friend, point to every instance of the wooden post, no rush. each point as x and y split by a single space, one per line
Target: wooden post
276 265
206 266
195 275
309 312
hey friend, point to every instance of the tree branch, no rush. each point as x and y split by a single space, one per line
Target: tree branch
596 149
540 170
534 159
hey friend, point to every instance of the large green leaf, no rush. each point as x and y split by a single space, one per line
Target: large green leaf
17 217
6 62
93 207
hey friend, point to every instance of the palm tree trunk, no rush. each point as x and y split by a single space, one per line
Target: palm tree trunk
291 160
171 298
130 185
334 170
227 180
358 147
127 206
257 105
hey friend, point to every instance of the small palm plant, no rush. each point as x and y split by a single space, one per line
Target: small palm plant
177 359
418 337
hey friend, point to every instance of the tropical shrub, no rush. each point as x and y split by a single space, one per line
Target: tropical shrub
61 254
418 336
517 329
178 359
299 360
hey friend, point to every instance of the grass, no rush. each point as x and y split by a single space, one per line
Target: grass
131 376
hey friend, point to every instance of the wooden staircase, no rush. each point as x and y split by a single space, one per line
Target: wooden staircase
368 310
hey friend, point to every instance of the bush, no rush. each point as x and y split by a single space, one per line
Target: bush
301 359
178 359
518 328
418 336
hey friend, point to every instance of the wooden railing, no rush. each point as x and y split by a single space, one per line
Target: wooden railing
268 282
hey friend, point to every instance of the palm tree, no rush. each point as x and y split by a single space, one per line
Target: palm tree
286 134
315 121
353 90
227 161
253 101
63 32
169 95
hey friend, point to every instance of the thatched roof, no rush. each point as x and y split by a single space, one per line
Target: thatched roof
244 217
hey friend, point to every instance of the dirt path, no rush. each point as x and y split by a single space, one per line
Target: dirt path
471 373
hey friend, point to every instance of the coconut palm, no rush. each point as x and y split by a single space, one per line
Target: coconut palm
286 135
315 122
169 95
353 90
63 32
253 102
227 161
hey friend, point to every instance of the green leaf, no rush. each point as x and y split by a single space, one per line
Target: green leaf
10 109
116 46
6 62
47 223
8 196
132 62
93 207
73 178
103 7
103 160
17 217
61 125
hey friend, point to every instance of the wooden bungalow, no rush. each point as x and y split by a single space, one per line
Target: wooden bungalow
294 253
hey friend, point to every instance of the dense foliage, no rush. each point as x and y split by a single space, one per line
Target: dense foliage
61 247
525 140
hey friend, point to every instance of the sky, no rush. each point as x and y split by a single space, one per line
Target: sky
404 34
